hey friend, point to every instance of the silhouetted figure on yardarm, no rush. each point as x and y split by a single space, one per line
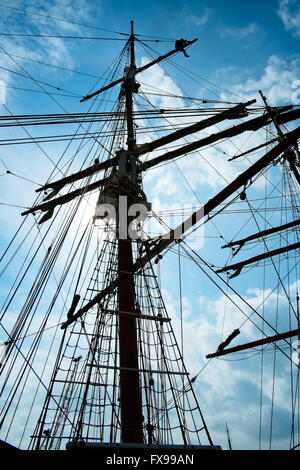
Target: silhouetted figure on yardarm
180 44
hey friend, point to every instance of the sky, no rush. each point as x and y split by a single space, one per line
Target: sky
242 47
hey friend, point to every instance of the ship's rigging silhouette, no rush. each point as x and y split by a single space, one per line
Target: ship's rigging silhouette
113 371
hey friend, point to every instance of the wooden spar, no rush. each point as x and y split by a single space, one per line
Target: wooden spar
249 125
210 205
198 126
263 233
107 87
65 198
228 438
79 175
165 241
141 150
96 300
253 149
165 56
138 70
130 392
147 147
294 113
286 117
269 254
290 155
253 344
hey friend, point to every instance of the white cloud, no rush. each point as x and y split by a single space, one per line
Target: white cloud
278 82
2 91
231 384
196 19
55 51
156 79
239 33
209 167
289 13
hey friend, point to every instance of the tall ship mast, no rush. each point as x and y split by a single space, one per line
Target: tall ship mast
90 355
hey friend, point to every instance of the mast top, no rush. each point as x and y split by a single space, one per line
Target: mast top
132 53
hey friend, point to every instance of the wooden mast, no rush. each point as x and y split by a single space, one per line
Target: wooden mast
130 393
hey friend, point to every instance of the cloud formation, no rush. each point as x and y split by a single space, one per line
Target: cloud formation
197 20
239 33
289 13
40 18
278 81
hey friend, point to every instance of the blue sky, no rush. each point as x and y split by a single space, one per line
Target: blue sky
241 47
